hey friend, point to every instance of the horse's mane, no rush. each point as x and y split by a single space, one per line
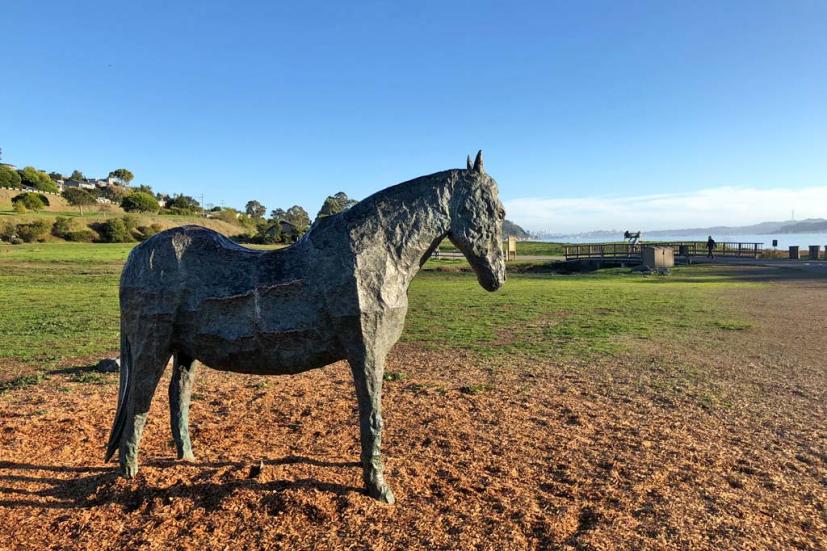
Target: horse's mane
367 206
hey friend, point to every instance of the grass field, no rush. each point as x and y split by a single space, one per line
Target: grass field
528 248
58 301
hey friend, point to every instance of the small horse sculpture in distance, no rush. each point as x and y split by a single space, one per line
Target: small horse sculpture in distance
339 293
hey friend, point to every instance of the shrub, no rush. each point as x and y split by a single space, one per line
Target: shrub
148 231
139 201
131 222
62 226
7 231
226 215
113 231
32 201
34 231
81 236
19 208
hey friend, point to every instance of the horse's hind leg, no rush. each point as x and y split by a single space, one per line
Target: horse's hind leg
149 358
180 392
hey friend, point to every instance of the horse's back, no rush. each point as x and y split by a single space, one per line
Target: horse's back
183 260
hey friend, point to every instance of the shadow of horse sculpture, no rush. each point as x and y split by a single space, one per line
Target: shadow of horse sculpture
89 487
339 293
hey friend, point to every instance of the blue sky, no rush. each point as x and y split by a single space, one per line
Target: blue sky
573 103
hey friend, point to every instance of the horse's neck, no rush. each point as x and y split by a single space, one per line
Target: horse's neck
407 224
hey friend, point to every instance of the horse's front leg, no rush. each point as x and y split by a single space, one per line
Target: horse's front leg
368 368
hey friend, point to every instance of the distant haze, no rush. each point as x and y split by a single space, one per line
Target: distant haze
722 206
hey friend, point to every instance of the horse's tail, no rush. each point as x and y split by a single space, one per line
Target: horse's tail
123 395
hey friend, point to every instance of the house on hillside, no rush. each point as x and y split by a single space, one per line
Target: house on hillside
104 182
80 184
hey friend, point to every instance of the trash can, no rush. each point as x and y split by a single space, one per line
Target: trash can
794 252
814 252
683 250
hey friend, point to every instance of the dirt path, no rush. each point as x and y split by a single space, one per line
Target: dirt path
667 447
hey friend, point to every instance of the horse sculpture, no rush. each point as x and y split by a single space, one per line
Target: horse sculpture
339 293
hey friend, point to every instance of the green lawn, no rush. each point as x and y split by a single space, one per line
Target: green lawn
543 316
59 301
528 248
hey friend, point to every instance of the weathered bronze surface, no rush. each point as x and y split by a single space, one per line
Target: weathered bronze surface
338 293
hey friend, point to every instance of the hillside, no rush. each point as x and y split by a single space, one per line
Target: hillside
813 225
59 207
810 225
164 221
510 228
761 228
56 203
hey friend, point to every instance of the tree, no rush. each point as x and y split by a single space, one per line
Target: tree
267 233
297 216
31 201
143 188
278 214
183 204
55 176
122 175
335 204
139 201
9 177
37 179
114 193
77 175
79 198
254 209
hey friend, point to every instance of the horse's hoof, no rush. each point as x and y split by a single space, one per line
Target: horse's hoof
186 457
382 493
129 470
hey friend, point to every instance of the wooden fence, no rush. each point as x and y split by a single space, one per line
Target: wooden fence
681 248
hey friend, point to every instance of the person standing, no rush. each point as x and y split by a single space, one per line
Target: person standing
710 246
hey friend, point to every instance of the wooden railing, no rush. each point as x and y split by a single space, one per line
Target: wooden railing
681 248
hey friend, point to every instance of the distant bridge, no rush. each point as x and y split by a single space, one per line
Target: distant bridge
681 248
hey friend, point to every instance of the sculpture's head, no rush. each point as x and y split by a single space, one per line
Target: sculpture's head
477 224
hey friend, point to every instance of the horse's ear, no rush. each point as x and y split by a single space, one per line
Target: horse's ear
468 165
478 163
